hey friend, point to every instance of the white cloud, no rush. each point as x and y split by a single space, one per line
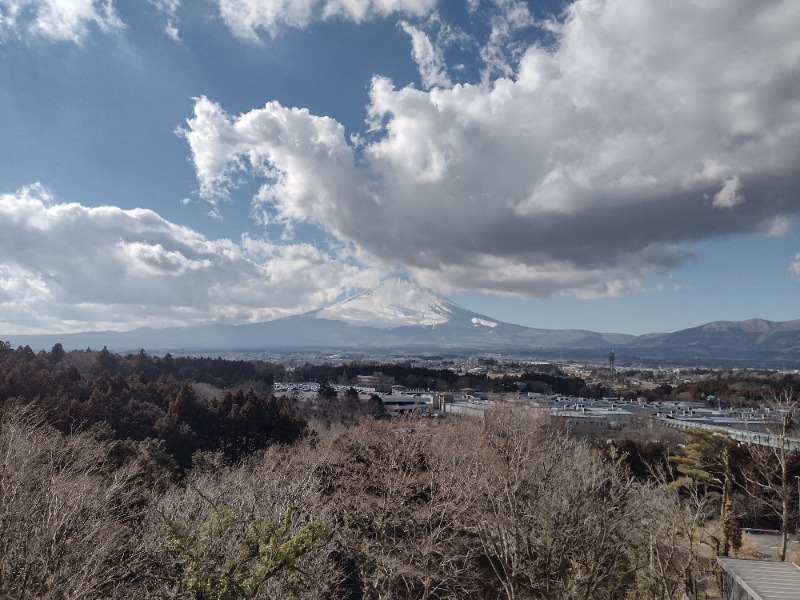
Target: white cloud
249 18
583 170
794 267
170 10
315 166
729 195
429 58
67 267
154 259
777 226
502 52
57 20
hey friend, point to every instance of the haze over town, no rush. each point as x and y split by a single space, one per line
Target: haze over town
598 164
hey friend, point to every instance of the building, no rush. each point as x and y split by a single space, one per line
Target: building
443 400
396 404
377 381
759 579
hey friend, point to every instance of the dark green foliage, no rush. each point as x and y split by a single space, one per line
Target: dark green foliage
714 461
247 422
326 391
441 379
140 397
57 353
376 407
647 462
107 362
555 384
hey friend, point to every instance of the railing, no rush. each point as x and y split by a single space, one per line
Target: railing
749 437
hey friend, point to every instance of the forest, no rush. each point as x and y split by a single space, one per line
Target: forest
176 477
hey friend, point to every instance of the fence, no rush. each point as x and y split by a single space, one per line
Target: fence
749 437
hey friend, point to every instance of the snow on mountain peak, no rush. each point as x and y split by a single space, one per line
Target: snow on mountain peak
395 302
476 321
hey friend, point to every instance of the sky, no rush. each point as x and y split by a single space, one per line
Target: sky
609 165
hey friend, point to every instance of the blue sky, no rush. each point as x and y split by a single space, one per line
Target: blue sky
607 165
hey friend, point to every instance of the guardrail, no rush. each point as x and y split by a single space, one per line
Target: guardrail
749 437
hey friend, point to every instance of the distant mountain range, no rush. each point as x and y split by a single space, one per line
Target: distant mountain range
400 316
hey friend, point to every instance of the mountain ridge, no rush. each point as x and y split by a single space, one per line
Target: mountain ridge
400 314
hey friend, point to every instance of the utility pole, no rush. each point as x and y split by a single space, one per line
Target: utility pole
797 526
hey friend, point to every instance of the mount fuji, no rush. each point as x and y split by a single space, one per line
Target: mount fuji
396 302
399 315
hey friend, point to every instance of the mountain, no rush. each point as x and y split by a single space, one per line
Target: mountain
397 301
400 315
727 338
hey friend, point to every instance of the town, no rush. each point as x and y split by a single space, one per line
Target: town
671 397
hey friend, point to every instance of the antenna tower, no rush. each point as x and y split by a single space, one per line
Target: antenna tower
611 365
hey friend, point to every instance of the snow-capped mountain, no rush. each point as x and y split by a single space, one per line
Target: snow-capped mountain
395 302
400 315
397 314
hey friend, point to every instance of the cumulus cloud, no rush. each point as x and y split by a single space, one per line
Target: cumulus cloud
300 143
584 170
56 20
248 18
68 267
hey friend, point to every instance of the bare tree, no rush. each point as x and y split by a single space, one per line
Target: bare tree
768 479
558 520
401 493
679 535
251 530
68 514
410 508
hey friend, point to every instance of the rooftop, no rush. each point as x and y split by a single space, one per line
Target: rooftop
763 579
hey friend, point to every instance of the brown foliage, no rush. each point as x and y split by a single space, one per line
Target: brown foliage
416 508
68 513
